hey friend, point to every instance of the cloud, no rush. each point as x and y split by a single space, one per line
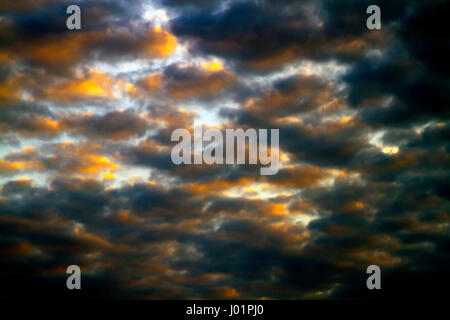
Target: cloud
188 81
65 158
116 125
294 95
95 84
40 37
265 36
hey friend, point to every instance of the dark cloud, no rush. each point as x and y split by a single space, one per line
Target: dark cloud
37 36
402 91
28 119
264 35
192 82
113 125
245 32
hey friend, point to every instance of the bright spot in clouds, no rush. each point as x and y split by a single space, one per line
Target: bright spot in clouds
156 16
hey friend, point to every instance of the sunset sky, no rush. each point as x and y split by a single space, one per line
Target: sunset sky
86 176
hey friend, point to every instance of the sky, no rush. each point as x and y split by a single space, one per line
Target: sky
86 176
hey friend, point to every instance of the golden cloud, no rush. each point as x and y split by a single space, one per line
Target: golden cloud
159 43
95 84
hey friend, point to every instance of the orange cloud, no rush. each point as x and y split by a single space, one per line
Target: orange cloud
159 43
20 160
15 166
67 158
352 205
17 249
55 50
212 65
225 292
299 177
7 166
42 125
95 164
277 208
95 84
82 159
304 93
216 186
10 89
151 82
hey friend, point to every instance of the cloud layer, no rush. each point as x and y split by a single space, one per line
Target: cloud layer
85 170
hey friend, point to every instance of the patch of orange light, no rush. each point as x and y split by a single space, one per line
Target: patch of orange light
50 123
284 157
9 90
96 84
217 186
289 119
108 176
390 149
28 149
23 178
352 206
90 87
4 57
345 120
153 80
130 88
11 166
212 65
277 209
96 163
160 43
